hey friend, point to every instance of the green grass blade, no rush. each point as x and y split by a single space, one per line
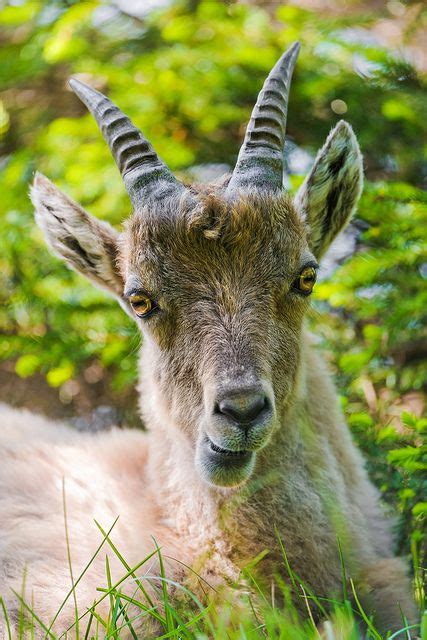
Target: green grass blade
396 634
294 577
367 621
405 624
418 573
127 575
191 570
114 615
6 619
109 585
286 561
99 621
343 571
128 622
170 625
21 620
307 604
190 594
32 627
126 565
63 603
423 631
89 624
70 565
132 601
106 592
33 615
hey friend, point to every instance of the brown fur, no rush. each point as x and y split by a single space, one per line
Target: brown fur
221 272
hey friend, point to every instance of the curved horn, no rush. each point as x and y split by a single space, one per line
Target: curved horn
260 160
143 173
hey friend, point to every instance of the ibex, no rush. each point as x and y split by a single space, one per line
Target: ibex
245 440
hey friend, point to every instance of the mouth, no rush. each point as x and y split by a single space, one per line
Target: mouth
223 467
228 452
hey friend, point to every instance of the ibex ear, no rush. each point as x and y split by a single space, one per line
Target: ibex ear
87 244
329 194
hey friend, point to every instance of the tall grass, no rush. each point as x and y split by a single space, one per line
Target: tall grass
157 607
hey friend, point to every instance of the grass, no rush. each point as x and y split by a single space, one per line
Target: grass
248 614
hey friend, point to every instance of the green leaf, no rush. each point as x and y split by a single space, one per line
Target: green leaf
420 509
58 375
27 365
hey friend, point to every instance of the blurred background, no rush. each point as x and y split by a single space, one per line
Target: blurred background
188 72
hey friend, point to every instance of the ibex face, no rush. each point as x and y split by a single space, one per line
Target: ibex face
218 277
222 340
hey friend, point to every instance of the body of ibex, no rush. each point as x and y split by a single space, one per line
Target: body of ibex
246 443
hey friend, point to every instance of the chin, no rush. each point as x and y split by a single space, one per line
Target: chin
223 467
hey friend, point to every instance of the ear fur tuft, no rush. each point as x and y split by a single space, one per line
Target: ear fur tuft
88 245
330 193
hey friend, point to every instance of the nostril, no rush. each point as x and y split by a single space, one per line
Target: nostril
243 408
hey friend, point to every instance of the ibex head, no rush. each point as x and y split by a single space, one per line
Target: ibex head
218 277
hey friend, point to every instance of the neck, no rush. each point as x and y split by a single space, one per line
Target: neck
233 526
171 463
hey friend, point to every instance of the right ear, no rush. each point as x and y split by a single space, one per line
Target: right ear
329 194
88 245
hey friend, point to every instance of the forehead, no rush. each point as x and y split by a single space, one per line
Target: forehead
203 240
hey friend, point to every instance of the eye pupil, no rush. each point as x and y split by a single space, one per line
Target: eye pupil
306 280
142 305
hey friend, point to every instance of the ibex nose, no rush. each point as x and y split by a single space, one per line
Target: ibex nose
245 408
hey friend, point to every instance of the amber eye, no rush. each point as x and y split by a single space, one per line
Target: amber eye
306 280
141 304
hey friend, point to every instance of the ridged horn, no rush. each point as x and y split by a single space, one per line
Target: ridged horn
144 174
260 160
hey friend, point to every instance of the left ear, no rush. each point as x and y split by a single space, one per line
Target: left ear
329 194
88 245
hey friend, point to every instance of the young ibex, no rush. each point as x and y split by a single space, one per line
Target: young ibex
245 440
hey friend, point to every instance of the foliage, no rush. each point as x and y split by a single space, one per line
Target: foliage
378 302
187 74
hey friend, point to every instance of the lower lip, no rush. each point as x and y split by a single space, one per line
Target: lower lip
223 467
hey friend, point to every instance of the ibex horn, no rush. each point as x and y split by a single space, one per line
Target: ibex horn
260 160
144 174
